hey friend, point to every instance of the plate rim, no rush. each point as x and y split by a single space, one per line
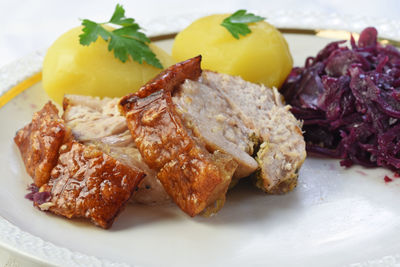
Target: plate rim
33 248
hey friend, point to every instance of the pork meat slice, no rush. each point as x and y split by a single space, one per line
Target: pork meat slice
98 122
193 177
87 183
75 180
39 142
209 115
171 78
282 149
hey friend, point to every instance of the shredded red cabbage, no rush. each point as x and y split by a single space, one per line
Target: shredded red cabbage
349 100
37 197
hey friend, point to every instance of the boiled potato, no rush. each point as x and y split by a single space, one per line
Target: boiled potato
262 56
71 68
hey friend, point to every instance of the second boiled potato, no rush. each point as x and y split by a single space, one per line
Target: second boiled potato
262 56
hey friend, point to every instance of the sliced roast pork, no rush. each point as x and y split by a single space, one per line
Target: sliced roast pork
39 142
195 178
170 79
226 114
206 115
87 183
282 148
75 180
209 115
98 122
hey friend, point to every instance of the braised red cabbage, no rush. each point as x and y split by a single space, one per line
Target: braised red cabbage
349 100
36 196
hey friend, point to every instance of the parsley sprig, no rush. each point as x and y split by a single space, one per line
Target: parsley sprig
236 24
127 40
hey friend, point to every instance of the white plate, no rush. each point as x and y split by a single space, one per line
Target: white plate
335 217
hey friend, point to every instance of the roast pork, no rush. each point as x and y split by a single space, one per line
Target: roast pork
72 179
225 114
98 122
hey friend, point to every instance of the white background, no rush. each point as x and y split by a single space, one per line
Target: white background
30 25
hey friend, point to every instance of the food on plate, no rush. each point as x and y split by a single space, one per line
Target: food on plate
98 122
238 23
212 119
194 130
261 56
126 40
349 100
75 180
186 135
193 177
170 80
90 184
40 141
71 68
281 150
211 112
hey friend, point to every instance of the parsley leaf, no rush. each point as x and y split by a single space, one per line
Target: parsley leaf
91 31
119 17
236 24
125 41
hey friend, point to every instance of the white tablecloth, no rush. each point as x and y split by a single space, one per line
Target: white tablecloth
30 25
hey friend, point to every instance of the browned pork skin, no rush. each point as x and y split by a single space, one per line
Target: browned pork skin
98 122
171 78
81 181
222 113
39 142
90 184
192 176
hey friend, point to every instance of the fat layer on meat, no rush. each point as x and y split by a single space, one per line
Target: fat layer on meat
98 122
193 177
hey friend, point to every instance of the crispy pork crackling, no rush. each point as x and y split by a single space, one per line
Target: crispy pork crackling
78 180
87 183
98 122
39 142
226 114
193 177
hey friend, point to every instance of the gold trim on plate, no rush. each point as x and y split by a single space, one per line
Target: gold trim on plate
19 88
331 34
